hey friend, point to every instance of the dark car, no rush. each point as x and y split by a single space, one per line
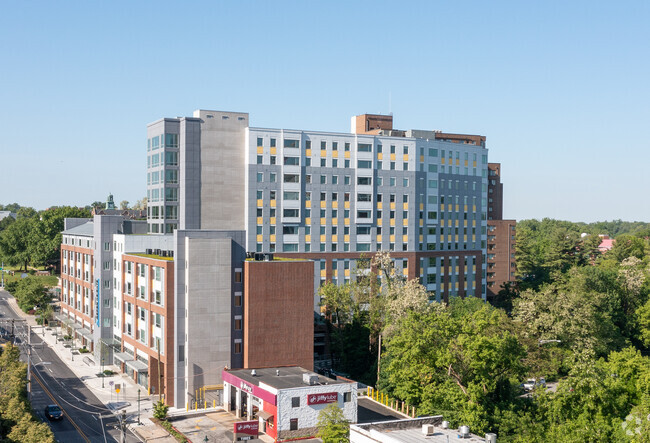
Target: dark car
53 412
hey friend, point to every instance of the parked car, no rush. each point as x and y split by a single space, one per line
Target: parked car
532 383
53 412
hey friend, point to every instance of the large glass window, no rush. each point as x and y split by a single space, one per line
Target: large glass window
171 194
171 158
171 176
290 195
171 140
291 212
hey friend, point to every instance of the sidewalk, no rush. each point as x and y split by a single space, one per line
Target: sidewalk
84 367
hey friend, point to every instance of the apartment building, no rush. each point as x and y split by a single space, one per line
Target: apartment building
328 197
244 224
501 236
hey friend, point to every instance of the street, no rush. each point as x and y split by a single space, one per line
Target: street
86 419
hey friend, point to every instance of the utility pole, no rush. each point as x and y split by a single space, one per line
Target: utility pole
29 362
139 406
159 374
123 426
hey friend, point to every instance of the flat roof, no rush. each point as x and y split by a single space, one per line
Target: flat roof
410 430
289 377
86 230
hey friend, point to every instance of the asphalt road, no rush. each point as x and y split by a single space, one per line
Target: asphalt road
86 419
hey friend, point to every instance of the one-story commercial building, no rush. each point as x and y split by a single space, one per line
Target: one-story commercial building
286 400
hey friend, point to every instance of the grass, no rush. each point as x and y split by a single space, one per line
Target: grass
154 256
169 428
47 280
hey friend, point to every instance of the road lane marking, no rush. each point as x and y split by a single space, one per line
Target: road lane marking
49 394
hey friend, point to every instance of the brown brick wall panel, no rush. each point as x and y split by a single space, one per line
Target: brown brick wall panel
278 313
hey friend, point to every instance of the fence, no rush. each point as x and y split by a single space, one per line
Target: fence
393 403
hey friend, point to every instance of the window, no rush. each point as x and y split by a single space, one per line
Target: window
238 299
237 324
238 276
364 180
292 161
347 397
346 180
259 159
259 141
335 163
293 424
364 164
291 195
347 146
290 247
363 230
291 178
290 143
323 179
364 197
363 214
392 149
237 347
364 147
335 179
260 177
291 212
272 177
295 402
323 144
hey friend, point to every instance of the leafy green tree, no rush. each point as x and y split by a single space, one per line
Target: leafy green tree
15 242
457 360
627 246
332 425
30 292
337 300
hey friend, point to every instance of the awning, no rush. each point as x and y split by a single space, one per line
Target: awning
137 365
62 318
86 333
123 356
75 325
265 415
111 342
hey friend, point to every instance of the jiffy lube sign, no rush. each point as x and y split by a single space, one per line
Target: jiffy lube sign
247 427
319 399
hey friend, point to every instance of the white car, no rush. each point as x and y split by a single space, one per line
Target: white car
532 383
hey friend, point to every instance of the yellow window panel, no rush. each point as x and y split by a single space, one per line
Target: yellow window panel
308 238
346 238
308 152
449 238
335 205
465 208
465 223
323 153
392 239
473 284
335 272
456 285
465 162
464 238
421 238
323 221
346 205
308 220
272 238
347 154
335 238
474 164
473 238
379 239
421 222
260 237
347 272
406 157
392 205
405 222
474 223
260 221
380 156
379 222
456 238
473 208
273 202
380 205
448 222
457 208
260 203
335 154
422 159
392 157
406 206
346 221
421 206
405 271
322 272
335 221
442 160
405 238
272 220
457 162
474 268
392 222
274 151
323 204
260 150
323 238
456 223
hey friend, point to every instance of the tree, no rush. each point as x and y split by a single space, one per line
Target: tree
337 300
456 360
124 204
30 293
15 242
627 246
332 425
141 204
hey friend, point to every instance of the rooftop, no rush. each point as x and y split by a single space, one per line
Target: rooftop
289 377
153 256
410 431
86 229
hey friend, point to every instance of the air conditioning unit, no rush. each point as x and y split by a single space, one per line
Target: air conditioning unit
427 429
464 431
149 251
490 438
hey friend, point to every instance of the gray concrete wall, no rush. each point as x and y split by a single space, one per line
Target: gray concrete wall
205 264
222 169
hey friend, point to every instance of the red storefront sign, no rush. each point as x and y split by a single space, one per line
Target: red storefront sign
319 399
247 427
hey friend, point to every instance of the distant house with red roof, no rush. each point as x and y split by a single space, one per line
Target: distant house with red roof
606 243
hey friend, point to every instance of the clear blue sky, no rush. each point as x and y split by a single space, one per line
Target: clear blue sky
561 89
